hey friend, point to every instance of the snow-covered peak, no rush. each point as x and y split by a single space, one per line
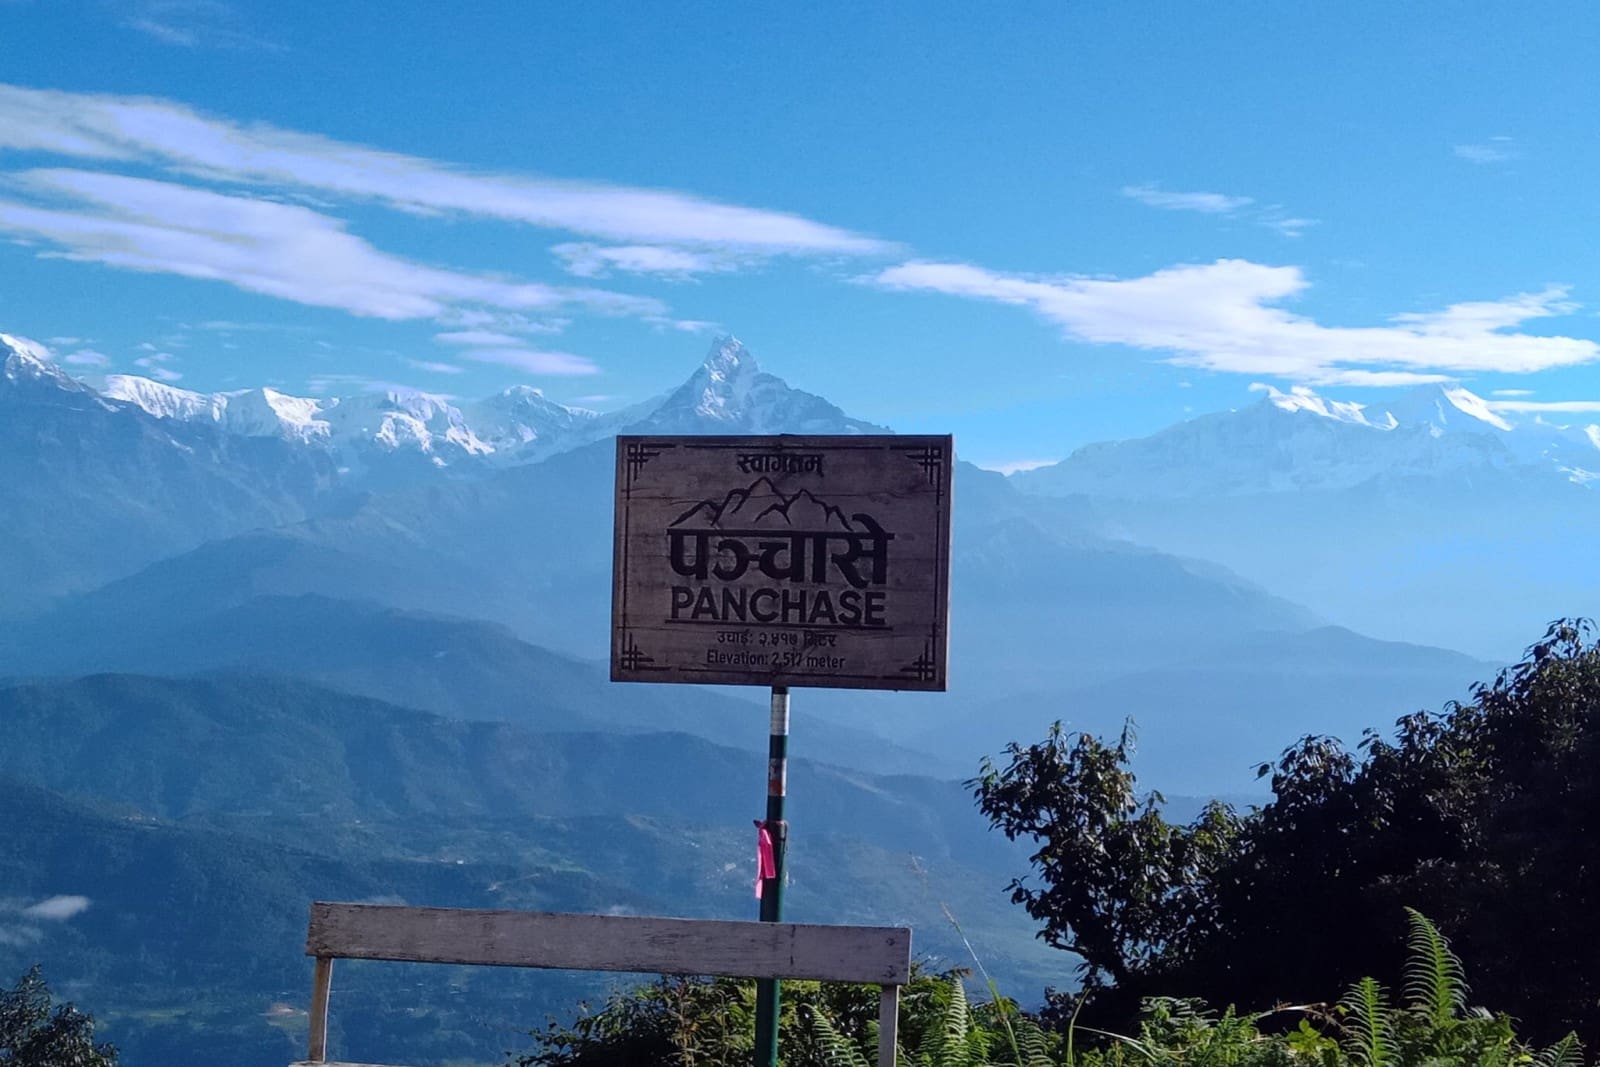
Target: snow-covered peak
26 362
719 389
729 393
523 416
1444 409
1303 399
164 401
1299 439
396 420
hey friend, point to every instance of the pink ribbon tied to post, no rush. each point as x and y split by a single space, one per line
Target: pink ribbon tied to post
766 861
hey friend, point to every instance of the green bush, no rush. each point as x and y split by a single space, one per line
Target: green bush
686 1022
1481 816
35 1034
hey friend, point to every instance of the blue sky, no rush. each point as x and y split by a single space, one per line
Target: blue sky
1034 225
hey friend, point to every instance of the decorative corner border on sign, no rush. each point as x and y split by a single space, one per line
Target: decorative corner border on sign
931 460
633 657
925 668
640 453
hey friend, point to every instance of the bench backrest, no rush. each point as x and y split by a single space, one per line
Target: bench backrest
877 955
865 954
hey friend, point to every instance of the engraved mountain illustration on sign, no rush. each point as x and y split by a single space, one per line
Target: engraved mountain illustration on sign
762 505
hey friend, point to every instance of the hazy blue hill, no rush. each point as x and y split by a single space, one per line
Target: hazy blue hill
1038 599
251 745
455 667
192 935
1203 725
206 813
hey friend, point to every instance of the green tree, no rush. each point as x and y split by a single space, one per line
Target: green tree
35 1034
1486 816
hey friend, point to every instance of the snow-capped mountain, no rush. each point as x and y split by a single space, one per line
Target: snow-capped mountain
93 487
160 469
731 394
1428 516
383 435
524 424
25 367
358 429
1300 440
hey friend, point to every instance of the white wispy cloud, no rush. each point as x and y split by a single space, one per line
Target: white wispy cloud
86 357
1223 316
281 250
58 908
587 260
1153 195
435 368
476 337
666 322
1494 150
155 365
1512 392
191 24
19 920
172 135
1012 466
1284 225
501 349
564 364
1537 406
1272 216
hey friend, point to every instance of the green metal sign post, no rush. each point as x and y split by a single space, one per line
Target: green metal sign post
769 991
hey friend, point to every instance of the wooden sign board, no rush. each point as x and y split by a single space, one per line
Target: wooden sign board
792 560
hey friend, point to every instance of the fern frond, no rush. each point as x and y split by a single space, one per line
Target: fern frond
1568 1052
1436 984
949 1044
837 1050
1369 1033
1033 1049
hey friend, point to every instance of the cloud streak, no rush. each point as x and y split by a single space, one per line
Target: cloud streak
1152 195
1223 316
119 128
1537 406
1495 150
1271 216
280 250
599 261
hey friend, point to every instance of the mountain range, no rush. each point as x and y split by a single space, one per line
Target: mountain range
263 647
1432 518
1050 593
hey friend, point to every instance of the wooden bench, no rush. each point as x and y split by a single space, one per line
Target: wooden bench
861 954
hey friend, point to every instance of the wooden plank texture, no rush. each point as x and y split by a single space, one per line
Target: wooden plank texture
321 982
888 1025
880 955
782 560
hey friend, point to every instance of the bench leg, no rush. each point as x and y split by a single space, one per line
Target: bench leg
888 1024
320 981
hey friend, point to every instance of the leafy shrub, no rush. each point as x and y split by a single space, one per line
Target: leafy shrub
35 1034
1482 816
679 1022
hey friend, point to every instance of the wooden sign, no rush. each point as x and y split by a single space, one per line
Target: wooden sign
820 561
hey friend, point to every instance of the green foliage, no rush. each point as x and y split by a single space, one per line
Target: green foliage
1122 887
692 1022
1436 984
695 1023
35 1034
1481 816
